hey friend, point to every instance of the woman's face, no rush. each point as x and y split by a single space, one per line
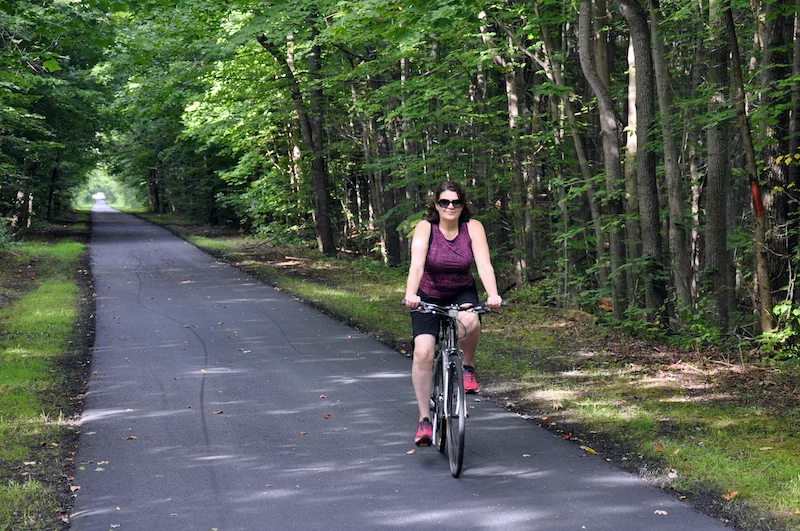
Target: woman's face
449 205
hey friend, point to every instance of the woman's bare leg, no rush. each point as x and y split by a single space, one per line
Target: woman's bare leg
422 371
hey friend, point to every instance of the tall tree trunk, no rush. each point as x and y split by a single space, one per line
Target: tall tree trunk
633 249
764 306
776 102
647 186
312 132
678 241
693 143
319 170
610 134
716 257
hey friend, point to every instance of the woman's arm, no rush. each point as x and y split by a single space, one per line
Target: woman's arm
419 253
480 250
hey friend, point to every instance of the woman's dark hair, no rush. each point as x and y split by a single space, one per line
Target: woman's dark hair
448 186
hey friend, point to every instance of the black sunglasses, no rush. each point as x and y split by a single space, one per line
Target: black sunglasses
444 203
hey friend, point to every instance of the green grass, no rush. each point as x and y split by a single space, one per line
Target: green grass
22 503
36 329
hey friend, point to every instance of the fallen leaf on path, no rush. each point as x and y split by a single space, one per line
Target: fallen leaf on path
410 452
323 396
268 485
74 488
216 412
118 509
303 433
659 447
526 455
590 450
660 512
130 438
203 370
326 415
731 494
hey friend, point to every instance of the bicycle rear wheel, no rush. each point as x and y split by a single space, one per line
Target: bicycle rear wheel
457 418
436 406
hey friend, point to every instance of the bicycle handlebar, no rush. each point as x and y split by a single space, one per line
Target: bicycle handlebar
429 307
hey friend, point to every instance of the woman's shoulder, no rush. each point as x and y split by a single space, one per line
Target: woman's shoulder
423 228
475 228
474 224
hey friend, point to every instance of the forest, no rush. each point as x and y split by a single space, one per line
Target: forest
637 159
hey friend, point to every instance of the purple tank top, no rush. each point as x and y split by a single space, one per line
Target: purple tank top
448 266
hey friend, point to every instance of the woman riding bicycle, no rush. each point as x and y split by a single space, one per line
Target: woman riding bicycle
443 248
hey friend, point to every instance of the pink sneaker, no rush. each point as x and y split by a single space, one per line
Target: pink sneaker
470 383
424 433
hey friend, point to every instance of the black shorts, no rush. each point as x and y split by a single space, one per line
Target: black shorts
427 323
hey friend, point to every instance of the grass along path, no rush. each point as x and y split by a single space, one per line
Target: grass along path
720 434
41 286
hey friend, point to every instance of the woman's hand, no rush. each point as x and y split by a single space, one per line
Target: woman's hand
412 301
494 302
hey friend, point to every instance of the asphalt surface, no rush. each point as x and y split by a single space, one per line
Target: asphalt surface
219 403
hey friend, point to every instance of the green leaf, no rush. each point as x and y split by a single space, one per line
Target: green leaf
51 65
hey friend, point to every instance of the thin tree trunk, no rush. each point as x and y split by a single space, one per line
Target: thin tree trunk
693 143
610 134
678 242
761 261
633 249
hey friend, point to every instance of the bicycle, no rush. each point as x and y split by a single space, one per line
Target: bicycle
448 403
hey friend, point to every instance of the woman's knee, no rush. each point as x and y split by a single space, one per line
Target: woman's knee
424 349
470 322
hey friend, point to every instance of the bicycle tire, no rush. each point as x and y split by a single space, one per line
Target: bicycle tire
436 406
457 418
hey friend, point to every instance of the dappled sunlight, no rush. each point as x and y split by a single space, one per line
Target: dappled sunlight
711 397
549 395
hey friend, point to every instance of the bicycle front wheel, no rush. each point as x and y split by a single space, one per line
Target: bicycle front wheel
457 417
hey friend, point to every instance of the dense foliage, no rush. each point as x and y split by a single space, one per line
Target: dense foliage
630 156
50 104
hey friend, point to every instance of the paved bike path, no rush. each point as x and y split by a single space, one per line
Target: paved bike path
218 402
